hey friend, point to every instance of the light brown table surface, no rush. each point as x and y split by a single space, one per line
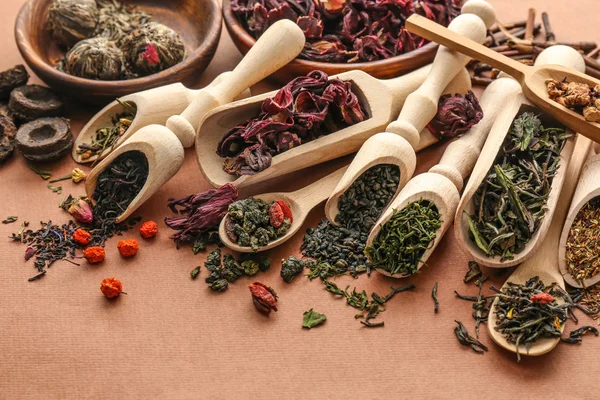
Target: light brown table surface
172 337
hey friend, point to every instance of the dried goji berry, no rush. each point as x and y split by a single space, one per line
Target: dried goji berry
263 297
542 298
287 212
276 215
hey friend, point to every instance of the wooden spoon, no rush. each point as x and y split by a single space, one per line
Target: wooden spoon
556 55
544 263
164 153
419 109
532 79
444 181
154 106
280 44
587 189
382 100
301 202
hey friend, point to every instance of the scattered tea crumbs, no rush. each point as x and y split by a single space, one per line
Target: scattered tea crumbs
10 220
149 229
94 254
195 272
312 319
82 237
128 247
111 288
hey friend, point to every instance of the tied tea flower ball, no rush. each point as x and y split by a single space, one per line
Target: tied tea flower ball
97 58
153 48
70 21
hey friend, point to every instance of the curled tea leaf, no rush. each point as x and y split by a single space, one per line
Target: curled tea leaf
312 319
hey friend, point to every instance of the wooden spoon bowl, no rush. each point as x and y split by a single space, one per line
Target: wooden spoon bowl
382 101
198 23
301 202
428 186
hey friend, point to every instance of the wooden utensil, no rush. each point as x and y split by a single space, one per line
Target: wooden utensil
382 100
544 263
588 188
301 202
418 110
557 55
532 79
198 23
154 106
164 153
444 181
280 44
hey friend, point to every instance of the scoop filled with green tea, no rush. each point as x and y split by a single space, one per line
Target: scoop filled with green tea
268 220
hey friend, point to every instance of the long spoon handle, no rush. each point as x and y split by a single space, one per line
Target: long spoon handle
432 31
280 44
502 97
421 106
318 191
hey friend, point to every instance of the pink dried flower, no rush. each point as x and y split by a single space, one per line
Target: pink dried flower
151 54
81 211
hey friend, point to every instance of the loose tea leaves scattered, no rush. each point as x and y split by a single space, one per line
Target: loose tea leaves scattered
361 205
576 336
254 223
511 202
10 219
200 215
347 31
403 239
436 302
312 319
195 272
227 269
106 138
305 109
577 96
528 312
116 20
456 115
293 266
582 246
45 175
462 334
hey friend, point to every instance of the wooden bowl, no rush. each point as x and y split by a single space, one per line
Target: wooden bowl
198 22
383 69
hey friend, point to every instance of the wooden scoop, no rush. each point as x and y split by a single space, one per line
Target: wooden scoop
544 263
154 106
444 181
557 55
587 189
382 100
301 202
280 44
164 153
532 79
419 109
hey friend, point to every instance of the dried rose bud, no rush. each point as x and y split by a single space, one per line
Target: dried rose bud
263 297
542 298
455 115
78 175
29 252
81 211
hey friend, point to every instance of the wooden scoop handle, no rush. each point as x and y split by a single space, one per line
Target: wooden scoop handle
280 44
421 106
462 154
432 31
318 191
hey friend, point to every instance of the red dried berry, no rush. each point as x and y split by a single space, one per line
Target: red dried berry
263 297
276 215
542 298
287 212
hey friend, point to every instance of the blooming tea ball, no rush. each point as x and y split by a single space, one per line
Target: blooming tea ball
153 48
70 21
96 58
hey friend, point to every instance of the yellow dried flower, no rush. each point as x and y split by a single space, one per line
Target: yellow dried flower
78 175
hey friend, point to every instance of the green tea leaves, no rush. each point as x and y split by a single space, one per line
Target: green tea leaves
312 319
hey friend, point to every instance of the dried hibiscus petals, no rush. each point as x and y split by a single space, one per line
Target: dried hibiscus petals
305 109
263 297
456 115
341 31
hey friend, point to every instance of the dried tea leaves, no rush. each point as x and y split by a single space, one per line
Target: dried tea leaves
582 246
226 269
70 21
292 267
576 336
305 109
403 239
254 223
462 334
577 96
31 102
312 318
45 139
346 31
95 58
511 202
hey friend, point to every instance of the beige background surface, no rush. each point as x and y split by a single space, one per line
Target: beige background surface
171 337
